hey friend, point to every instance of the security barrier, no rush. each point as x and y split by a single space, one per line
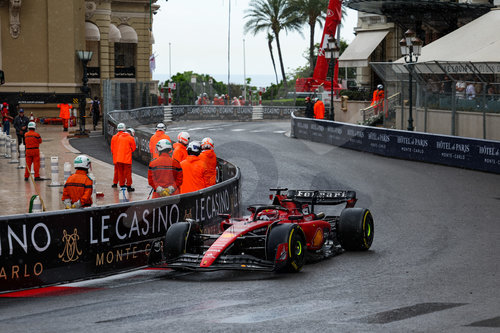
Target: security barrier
475 154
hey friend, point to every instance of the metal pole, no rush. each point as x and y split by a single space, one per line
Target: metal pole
332 66
410 97
244 73
170 60
83 101
229 48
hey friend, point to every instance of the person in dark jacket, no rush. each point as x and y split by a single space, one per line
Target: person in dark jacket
309 108
21 125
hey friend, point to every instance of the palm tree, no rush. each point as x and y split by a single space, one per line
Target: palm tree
312 12
270 40
275 16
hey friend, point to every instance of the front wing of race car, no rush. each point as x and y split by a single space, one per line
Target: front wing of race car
242 262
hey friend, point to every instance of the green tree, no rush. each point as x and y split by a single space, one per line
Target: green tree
275 16
312 12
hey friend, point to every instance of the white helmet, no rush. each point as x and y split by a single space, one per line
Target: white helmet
121 127
194 148
380 86
131 131
32 125
162 145
207 143
82 161
183 137
161 127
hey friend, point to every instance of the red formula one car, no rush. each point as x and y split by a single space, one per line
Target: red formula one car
280 236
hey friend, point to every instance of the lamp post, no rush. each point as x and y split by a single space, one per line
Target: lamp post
332 52
411 46
84 57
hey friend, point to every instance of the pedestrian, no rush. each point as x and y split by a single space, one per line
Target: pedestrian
180 147
21 125
208 156
164 173
309 108
159 134
460 88
6 118
122 147
33 141
319 109
64 114
95 109
194 171
77 190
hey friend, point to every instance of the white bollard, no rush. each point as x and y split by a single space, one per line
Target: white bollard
2 144
13 152
67 171
54 170
42 165
22 157
7 146
94 192
37 205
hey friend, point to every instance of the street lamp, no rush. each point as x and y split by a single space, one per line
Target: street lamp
84 57
411 46
332 52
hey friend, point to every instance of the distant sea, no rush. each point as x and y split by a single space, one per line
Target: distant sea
258 80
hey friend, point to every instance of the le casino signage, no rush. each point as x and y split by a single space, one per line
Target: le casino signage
87 242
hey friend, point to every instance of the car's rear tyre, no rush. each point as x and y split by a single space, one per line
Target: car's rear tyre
355 229
176 240
292 235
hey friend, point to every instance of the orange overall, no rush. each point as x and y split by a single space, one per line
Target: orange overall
33 141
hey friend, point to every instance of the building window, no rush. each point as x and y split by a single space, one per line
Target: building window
125 60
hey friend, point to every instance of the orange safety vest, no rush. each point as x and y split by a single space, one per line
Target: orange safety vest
319 110
64 110
33 141
208 156
154 140
180 152
164 171
122 148
194 174
78 186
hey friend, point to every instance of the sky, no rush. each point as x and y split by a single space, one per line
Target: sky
192 35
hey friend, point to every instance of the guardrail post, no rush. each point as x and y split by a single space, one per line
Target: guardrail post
2 143
67 171
22 157
13 151
167 114
257 112
54 169
7 147
42 165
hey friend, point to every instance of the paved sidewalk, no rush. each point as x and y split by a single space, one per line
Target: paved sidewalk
15 193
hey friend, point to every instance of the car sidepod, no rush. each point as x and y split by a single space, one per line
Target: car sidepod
286 247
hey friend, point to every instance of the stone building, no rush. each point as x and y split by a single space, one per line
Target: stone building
39 41
382 24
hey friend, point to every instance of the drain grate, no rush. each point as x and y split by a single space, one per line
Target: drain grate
407 312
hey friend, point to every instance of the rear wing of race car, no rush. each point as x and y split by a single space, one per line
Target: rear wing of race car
319 197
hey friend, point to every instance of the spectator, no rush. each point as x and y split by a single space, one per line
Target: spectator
165 173
6 118
21 125
460 88
378 99
491 93
77 190
470 91
309 108
96 111
446 86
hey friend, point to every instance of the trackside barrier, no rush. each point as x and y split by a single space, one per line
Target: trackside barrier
475 154
40 249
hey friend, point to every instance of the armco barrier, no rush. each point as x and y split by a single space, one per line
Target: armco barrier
482 155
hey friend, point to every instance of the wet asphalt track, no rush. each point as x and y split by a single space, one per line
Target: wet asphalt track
434 264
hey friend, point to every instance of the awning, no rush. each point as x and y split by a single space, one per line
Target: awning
477 41
128 34
358 52
92 32
114 34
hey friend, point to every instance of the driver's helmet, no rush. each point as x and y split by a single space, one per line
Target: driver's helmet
268 214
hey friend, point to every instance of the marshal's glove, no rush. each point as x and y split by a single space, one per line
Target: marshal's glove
67 203
159 189
77 204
